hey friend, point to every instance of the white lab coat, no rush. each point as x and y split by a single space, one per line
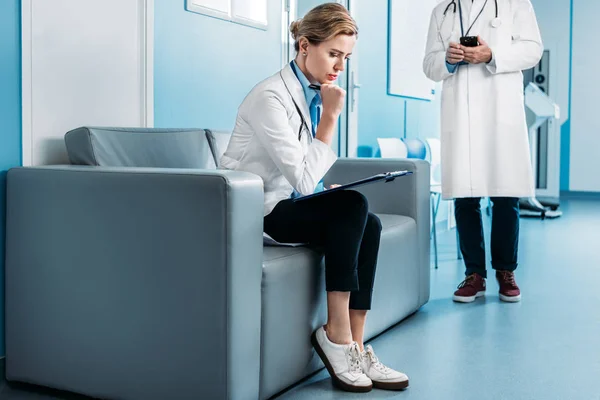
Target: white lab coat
485 144
265 140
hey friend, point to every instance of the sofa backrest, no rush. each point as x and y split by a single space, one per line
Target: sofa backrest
221 140
145 147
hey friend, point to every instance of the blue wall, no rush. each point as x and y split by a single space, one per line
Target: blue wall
304 6
10 117
204 66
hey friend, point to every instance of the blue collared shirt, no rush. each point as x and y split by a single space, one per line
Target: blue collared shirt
451 67
313 99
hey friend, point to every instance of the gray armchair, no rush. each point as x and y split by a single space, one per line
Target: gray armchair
143 275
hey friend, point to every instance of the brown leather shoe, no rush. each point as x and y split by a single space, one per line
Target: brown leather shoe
470 289
509 291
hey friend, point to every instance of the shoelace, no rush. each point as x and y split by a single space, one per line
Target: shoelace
466 282
375 361
354 359
508 277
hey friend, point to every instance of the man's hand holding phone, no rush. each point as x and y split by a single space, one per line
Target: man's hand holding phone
455 54
479 54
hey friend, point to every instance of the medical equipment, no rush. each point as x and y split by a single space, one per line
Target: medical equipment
303 124
544 109
547 188
454 4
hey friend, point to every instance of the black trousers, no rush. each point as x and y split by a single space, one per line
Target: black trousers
340 223
505 233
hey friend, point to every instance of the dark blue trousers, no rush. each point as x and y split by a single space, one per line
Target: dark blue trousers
341 225
505 233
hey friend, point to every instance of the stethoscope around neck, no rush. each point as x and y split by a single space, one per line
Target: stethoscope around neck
303 123
496 22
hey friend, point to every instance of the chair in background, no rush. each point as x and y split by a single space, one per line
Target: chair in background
364 152
429 150
435 160
436 187
416 148
392 148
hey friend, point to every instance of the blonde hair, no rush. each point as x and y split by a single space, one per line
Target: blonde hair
322 23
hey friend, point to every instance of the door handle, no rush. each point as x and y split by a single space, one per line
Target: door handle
354 85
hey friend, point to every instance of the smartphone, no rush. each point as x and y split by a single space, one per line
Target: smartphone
469 41
315 87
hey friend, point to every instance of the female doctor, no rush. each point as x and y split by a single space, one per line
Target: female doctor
485 146
282 135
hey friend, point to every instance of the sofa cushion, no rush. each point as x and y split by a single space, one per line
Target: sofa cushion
141 147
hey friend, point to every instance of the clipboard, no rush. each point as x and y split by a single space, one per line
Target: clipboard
385 177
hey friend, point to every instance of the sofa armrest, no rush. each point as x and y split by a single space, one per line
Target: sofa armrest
406 195
134 282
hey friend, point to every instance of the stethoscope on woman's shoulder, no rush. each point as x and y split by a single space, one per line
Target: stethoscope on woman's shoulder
496 22
303 123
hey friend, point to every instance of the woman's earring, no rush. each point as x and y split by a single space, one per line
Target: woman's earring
304 54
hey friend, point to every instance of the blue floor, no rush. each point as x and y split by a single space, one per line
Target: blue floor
546 347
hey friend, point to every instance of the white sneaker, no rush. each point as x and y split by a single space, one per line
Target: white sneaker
382 377
343 363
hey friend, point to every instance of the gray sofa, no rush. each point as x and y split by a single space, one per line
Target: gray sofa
139 271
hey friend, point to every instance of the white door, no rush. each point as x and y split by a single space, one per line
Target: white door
85 63
352 89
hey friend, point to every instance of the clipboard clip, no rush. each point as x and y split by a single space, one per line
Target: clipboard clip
390 176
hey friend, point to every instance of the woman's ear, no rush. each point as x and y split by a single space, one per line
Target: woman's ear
303 46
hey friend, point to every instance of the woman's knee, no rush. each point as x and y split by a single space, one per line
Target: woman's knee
373 224
350 202
356 199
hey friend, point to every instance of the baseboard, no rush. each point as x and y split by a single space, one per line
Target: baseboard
580 195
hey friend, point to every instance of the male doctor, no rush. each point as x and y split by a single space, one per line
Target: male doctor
485 146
